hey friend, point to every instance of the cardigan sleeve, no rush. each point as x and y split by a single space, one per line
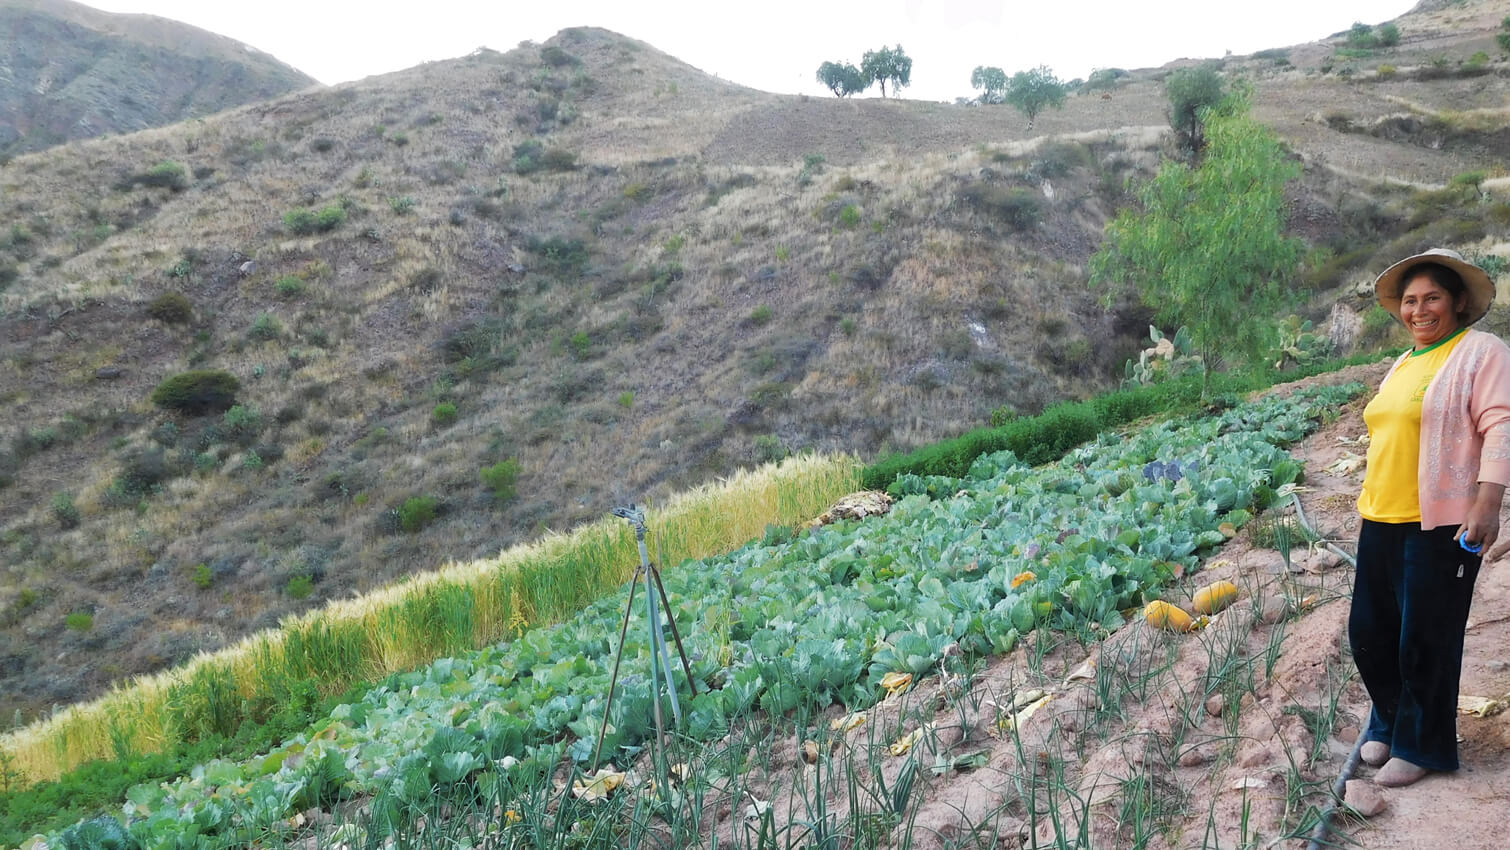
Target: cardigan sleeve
1489 408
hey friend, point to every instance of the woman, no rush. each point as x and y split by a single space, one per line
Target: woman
1438 463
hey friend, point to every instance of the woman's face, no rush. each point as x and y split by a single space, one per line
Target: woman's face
1429 311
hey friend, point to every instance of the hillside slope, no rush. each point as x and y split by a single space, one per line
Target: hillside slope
590 269
73 72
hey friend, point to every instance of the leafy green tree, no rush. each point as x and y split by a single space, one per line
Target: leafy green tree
1207 250
1389 35
843 79
1192 91
991 81
889 64
1031 91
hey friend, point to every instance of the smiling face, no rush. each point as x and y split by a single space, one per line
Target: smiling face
1430 312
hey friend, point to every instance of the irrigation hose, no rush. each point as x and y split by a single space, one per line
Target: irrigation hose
1339 788
1300 514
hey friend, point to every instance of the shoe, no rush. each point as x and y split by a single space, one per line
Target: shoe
1375 753
1397 773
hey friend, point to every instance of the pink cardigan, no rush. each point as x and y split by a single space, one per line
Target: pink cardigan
1465 428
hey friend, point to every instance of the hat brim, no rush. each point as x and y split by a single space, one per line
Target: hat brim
1480 288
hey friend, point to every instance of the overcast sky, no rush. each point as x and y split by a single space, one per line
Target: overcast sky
777 45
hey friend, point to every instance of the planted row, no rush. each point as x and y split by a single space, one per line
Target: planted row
1007 550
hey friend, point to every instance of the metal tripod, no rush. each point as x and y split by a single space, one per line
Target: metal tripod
660 656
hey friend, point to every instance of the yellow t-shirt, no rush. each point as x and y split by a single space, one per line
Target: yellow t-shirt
1390 490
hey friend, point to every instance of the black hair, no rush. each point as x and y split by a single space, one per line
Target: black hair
1443 276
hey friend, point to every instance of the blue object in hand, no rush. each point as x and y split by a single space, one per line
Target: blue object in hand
1475 548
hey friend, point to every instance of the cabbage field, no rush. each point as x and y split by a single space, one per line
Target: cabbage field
978 563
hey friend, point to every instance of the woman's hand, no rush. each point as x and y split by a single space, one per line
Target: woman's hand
1482 527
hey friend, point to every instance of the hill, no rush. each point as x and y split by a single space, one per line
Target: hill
72 72
600 275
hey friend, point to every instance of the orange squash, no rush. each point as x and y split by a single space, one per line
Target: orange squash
1214 597
1162 615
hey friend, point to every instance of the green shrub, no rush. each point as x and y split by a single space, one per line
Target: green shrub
1017 207
265 328
202 577
171 307
849 216
761 315
581 345
64 510
444 414
166 175
197 392
501 478
323 220
80 621
1386 71
626 399
418 512
300 586
401 205
532 156
769 448
289 286
1388 35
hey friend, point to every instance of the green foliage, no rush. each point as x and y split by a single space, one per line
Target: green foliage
1208 248
843 79
300 586
418 512
306 221
761 315
401 204
197 392
80 621
1388 35
1103 78
502 478
533 156
849 216
1362 35
626 399
444 414
1030 92
265 328
1047 436
1193 93
289 286
1164 360
166 175
581 345
991 81
202 576
560 256
64 510
171 307
769 448
1018 207
889 64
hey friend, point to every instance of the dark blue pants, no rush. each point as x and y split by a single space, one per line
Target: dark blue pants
1410 607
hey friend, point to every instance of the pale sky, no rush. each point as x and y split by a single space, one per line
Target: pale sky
778 45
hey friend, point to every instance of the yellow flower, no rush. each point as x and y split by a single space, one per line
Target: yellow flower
1024 578
512 817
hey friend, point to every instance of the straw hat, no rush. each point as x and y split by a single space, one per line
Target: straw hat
1480 288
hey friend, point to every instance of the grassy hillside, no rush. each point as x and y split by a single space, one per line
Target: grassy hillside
590 270
73 72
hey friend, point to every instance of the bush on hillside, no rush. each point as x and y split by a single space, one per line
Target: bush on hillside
533 156
1015 206
197 392
418 512
171 307
502 478
166 175
306 221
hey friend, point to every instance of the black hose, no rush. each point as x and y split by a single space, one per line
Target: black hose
1339 789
